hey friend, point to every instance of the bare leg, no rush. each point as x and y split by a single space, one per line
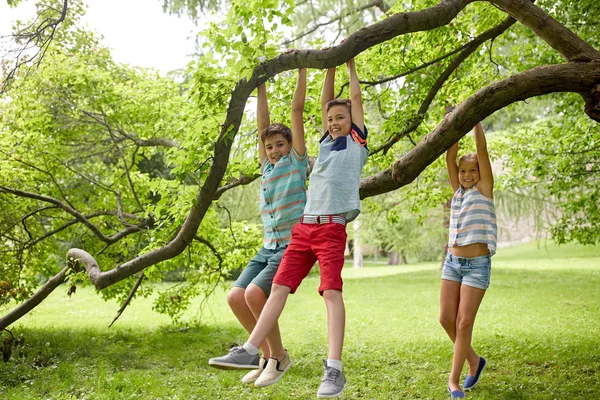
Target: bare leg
237 302
470 299
256 299
336 321
270 314
449 300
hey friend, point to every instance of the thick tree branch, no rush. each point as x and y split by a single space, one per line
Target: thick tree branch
568 44
572 77
448 71
579 78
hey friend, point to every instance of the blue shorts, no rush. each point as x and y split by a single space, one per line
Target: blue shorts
261 269
474 271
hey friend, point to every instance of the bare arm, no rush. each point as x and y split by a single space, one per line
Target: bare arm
358 115
263 119
327 95
297 113
452 167
486 178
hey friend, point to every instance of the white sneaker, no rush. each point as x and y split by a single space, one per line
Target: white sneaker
274 371
253 375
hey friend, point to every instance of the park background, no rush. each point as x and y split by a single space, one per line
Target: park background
105 154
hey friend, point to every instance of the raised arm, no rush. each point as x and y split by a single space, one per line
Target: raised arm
263 119
451 155
297 113
327 95
358 115
486 178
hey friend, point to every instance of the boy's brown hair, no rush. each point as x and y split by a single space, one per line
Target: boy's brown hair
338 102
276 129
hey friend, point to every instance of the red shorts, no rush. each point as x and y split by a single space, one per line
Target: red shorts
311 242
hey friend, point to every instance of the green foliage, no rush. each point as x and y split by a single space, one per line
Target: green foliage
77 129
558 155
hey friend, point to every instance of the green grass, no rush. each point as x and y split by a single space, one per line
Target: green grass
538 327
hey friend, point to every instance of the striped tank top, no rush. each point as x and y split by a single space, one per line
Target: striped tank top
472 219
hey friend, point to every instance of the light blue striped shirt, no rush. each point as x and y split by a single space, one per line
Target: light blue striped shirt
282 197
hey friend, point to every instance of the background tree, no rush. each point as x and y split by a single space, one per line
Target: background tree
421 56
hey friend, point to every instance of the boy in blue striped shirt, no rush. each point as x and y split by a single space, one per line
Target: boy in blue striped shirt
284 168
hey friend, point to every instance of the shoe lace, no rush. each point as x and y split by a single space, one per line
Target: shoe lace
236 350
331 375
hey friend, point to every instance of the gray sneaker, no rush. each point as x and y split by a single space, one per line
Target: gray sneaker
333 383
238 358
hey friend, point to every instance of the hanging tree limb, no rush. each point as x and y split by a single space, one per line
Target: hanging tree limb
129 297
445 75
580 78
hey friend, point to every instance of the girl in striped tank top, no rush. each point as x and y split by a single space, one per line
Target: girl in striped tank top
466 270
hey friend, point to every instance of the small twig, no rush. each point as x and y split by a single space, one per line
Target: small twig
128 299
229 214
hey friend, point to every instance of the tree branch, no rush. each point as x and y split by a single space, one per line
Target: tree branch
571 77
421 112
129 297
376 3
80 217
34 39
568 44
579 78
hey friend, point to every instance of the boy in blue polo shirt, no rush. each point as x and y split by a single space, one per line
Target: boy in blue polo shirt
333 201
284 167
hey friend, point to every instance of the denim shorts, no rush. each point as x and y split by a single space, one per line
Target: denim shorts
474 271
261 269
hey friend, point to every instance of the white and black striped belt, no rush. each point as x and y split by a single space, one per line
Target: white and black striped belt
323 219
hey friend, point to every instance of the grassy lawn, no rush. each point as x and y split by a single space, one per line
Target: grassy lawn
538 327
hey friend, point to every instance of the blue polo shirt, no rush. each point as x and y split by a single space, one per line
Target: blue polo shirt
335 177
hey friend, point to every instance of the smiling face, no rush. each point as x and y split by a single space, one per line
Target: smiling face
277 146
468 172
339 121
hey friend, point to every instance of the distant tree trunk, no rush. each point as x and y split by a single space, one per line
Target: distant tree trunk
394 258
358 254
402 259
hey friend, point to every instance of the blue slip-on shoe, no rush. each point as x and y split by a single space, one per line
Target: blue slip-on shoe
457 394
471 381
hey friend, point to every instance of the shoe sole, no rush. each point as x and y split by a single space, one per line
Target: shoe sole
276 379
331 396
224 365
249 381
